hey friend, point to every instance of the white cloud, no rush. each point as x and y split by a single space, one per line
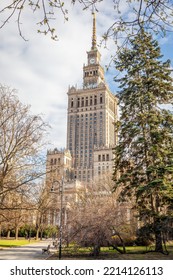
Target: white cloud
42 69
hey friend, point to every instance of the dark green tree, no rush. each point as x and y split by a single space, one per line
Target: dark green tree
144 154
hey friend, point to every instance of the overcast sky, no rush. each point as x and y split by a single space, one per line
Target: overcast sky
42 70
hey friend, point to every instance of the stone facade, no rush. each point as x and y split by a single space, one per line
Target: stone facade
92 111
58 165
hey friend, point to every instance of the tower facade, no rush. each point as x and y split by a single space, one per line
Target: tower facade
92 111
58 165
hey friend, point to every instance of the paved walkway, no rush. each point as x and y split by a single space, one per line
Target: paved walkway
32 251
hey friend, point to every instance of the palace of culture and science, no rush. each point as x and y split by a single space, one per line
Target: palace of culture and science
92 111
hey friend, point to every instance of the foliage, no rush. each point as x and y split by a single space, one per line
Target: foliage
144 155
50 231
144 236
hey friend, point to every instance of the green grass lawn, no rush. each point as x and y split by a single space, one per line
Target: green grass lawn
129 249
77 253
132 253
14 243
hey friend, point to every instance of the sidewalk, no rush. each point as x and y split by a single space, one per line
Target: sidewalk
32 251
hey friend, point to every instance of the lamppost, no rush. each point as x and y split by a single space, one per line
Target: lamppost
61 185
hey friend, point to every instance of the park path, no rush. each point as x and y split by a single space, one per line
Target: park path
32 251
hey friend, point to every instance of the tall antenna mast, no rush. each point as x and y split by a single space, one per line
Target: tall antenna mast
94 39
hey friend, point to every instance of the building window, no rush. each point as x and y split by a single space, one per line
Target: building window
107 157
99 157
101 99
95 100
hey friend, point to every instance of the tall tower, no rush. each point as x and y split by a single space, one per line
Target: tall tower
92 111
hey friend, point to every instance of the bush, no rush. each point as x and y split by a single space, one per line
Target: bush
144 236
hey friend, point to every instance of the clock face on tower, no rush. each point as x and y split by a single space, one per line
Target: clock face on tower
92 60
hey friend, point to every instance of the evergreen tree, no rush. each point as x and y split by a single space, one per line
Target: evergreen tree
144 154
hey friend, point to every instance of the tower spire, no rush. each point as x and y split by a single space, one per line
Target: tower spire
94 41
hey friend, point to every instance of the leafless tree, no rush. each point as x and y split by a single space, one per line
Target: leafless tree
16 214
43 201
21 144
97 219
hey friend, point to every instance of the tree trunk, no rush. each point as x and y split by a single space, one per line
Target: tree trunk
122 242
8 233
158 242
158 236
16 233
37 234
41 234
96 250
